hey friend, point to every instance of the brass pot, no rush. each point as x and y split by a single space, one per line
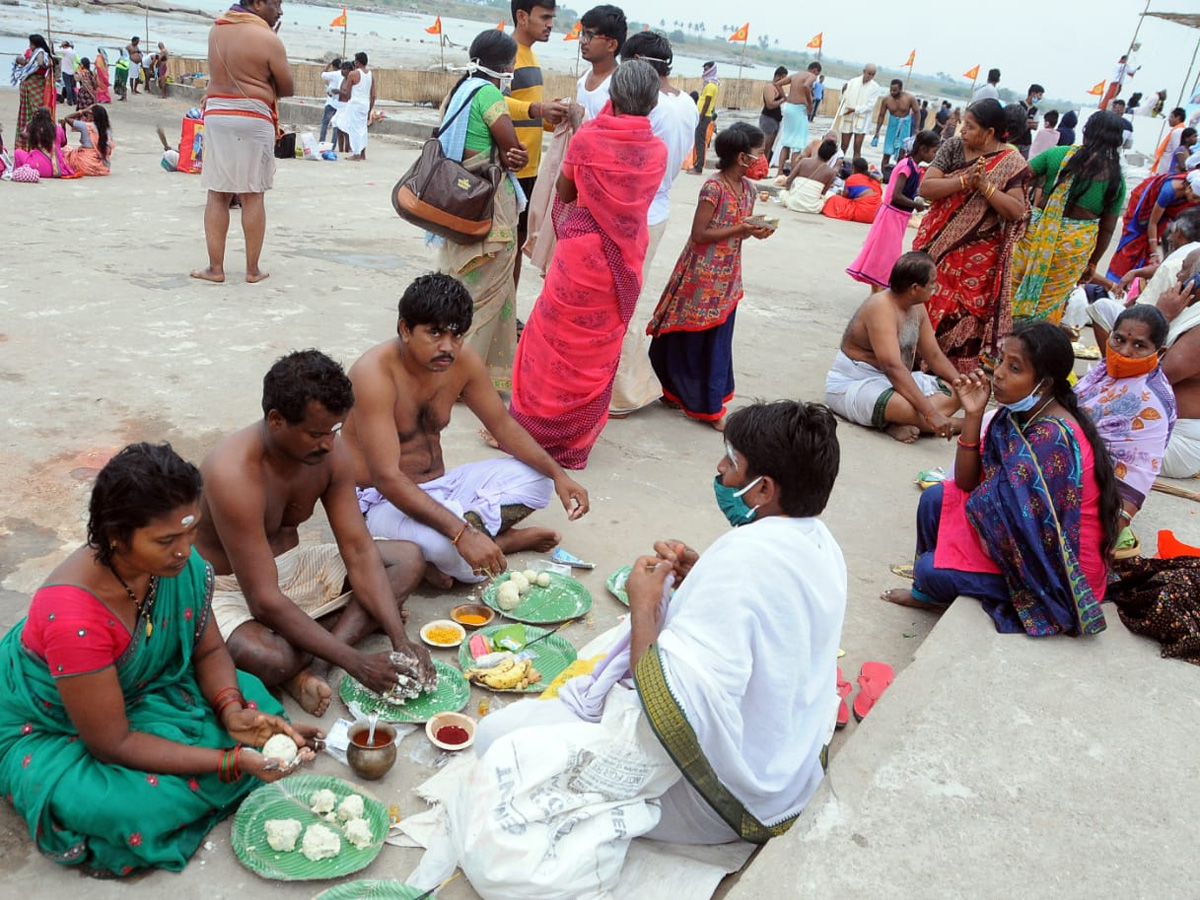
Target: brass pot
371 763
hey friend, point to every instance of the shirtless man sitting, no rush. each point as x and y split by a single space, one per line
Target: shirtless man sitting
406 387
901 109
260 484
872 381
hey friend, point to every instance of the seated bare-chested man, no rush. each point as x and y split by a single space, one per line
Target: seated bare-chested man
463 520
260 484
872 381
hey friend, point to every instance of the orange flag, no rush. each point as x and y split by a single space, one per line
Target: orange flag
815 43
340 21
912 57
573 34
436 27
972 73
742 34
1098 89
500 27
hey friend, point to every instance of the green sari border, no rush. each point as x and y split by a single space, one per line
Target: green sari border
675 733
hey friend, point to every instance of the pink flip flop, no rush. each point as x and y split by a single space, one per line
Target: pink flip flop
843 689
873 680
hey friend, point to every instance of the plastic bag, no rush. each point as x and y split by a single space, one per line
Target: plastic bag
308 141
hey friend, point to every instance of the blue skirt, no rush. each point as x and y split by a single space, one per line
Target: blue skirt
695 369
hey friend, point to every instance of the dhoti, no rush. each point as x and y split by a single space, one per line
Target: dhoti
352 119
860 392
239 145
482 488
794 133
635 384
806 196
312 576
897 133
1182 459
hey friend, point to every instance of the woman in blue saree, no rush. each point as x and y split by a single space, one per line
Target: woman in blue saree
1028 522
125 730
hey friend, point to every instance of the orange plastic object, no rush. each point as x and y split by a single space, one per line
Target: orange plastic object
1170 546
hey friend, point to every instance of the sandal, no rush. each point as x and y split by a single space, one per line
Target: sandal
902 570
873 680
487 438
843 690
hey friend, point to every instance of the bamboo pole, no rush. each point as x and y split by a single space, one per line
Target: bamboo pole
1163 488
345 29
49 37
742 62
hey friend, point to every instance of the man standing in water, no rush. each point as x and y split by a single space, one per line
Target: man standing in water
248 71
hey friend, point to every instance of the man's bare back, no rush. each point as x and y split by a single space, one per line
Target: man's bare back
800 88
421 410
856 341
288 499
248 59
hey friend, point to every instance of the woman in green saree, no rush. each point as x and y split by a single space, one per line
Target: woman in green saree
125 730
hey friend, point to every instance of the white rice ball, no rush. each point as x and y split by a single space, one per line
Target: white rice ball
324 801
358 832
543 579
350 808
530 575
282 748
320 843
282 834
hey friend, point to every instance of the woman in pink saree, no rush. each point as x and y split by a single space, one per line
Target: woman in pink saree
569 350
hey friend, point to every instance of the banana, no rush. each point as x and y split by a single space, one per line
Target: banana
506 676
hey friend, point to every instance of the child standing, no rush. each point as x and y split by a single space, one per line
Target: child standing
885 241
692 327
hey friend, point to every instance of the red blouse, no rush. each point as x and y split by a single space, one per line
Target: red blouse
70 630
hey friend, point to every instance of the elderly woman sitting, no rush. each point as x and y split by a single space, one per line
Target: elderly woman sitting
1132 403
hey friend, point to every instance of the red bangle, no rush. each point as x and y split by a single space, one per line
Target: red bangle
226 697
967 445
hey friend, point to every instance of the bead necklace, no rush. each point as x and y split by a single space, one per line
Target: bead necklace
144 606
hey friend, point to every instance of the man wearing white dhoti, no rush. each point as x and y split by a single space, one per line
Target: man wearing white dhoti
405 389
743 705
358 98
854 111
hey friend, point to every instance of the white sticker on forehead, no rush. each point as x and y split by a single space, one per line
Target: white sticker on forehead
731 455
186 521
336 428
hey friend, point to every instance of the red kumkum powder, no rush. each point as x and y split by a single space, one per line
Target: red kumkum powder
452 734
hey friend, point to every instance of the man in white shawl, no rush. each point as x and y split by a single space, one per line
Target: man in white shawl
358 98
735 672
854 111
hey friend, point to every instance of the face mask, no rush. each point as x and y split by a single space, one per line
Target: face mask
1025 404
505 78
732 505
1127 367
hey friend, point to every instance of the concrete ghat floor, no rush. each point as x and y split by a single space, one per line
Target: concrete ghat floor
105 340
997 766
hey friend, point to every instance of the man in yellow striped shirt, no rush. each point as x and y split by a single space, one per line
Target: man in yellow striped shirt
533 20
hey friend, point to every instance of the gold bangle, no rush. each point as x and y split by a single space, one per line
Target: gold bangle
991 189
461 532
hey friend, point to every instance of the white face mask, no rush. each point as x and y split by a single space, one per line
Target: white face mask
505 78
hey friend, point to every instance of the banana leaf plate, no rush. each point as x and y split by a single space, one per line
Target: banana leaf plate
451 695
554 654
616 583
367 889
565 598
290 798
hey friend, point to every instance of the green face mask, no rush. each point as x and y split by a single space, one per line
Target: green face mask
731 503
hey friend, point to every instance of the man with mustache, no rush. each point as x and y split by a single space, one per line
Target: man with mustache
260 485
463 520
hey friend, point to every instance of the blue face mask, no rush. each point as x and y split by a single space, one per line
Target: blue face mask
732 505
1025 404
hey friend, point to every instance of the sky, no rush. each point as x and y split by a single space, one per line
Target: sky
1065 45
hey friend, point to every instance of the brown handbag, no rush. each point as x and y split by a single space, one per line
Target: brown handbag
442 196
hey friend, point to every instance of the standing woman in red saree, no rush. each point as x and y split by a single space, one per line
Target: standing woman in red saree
571 344
978 209
35 81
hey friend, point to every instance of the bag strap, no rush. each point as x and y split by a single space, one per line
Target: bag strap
466 105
